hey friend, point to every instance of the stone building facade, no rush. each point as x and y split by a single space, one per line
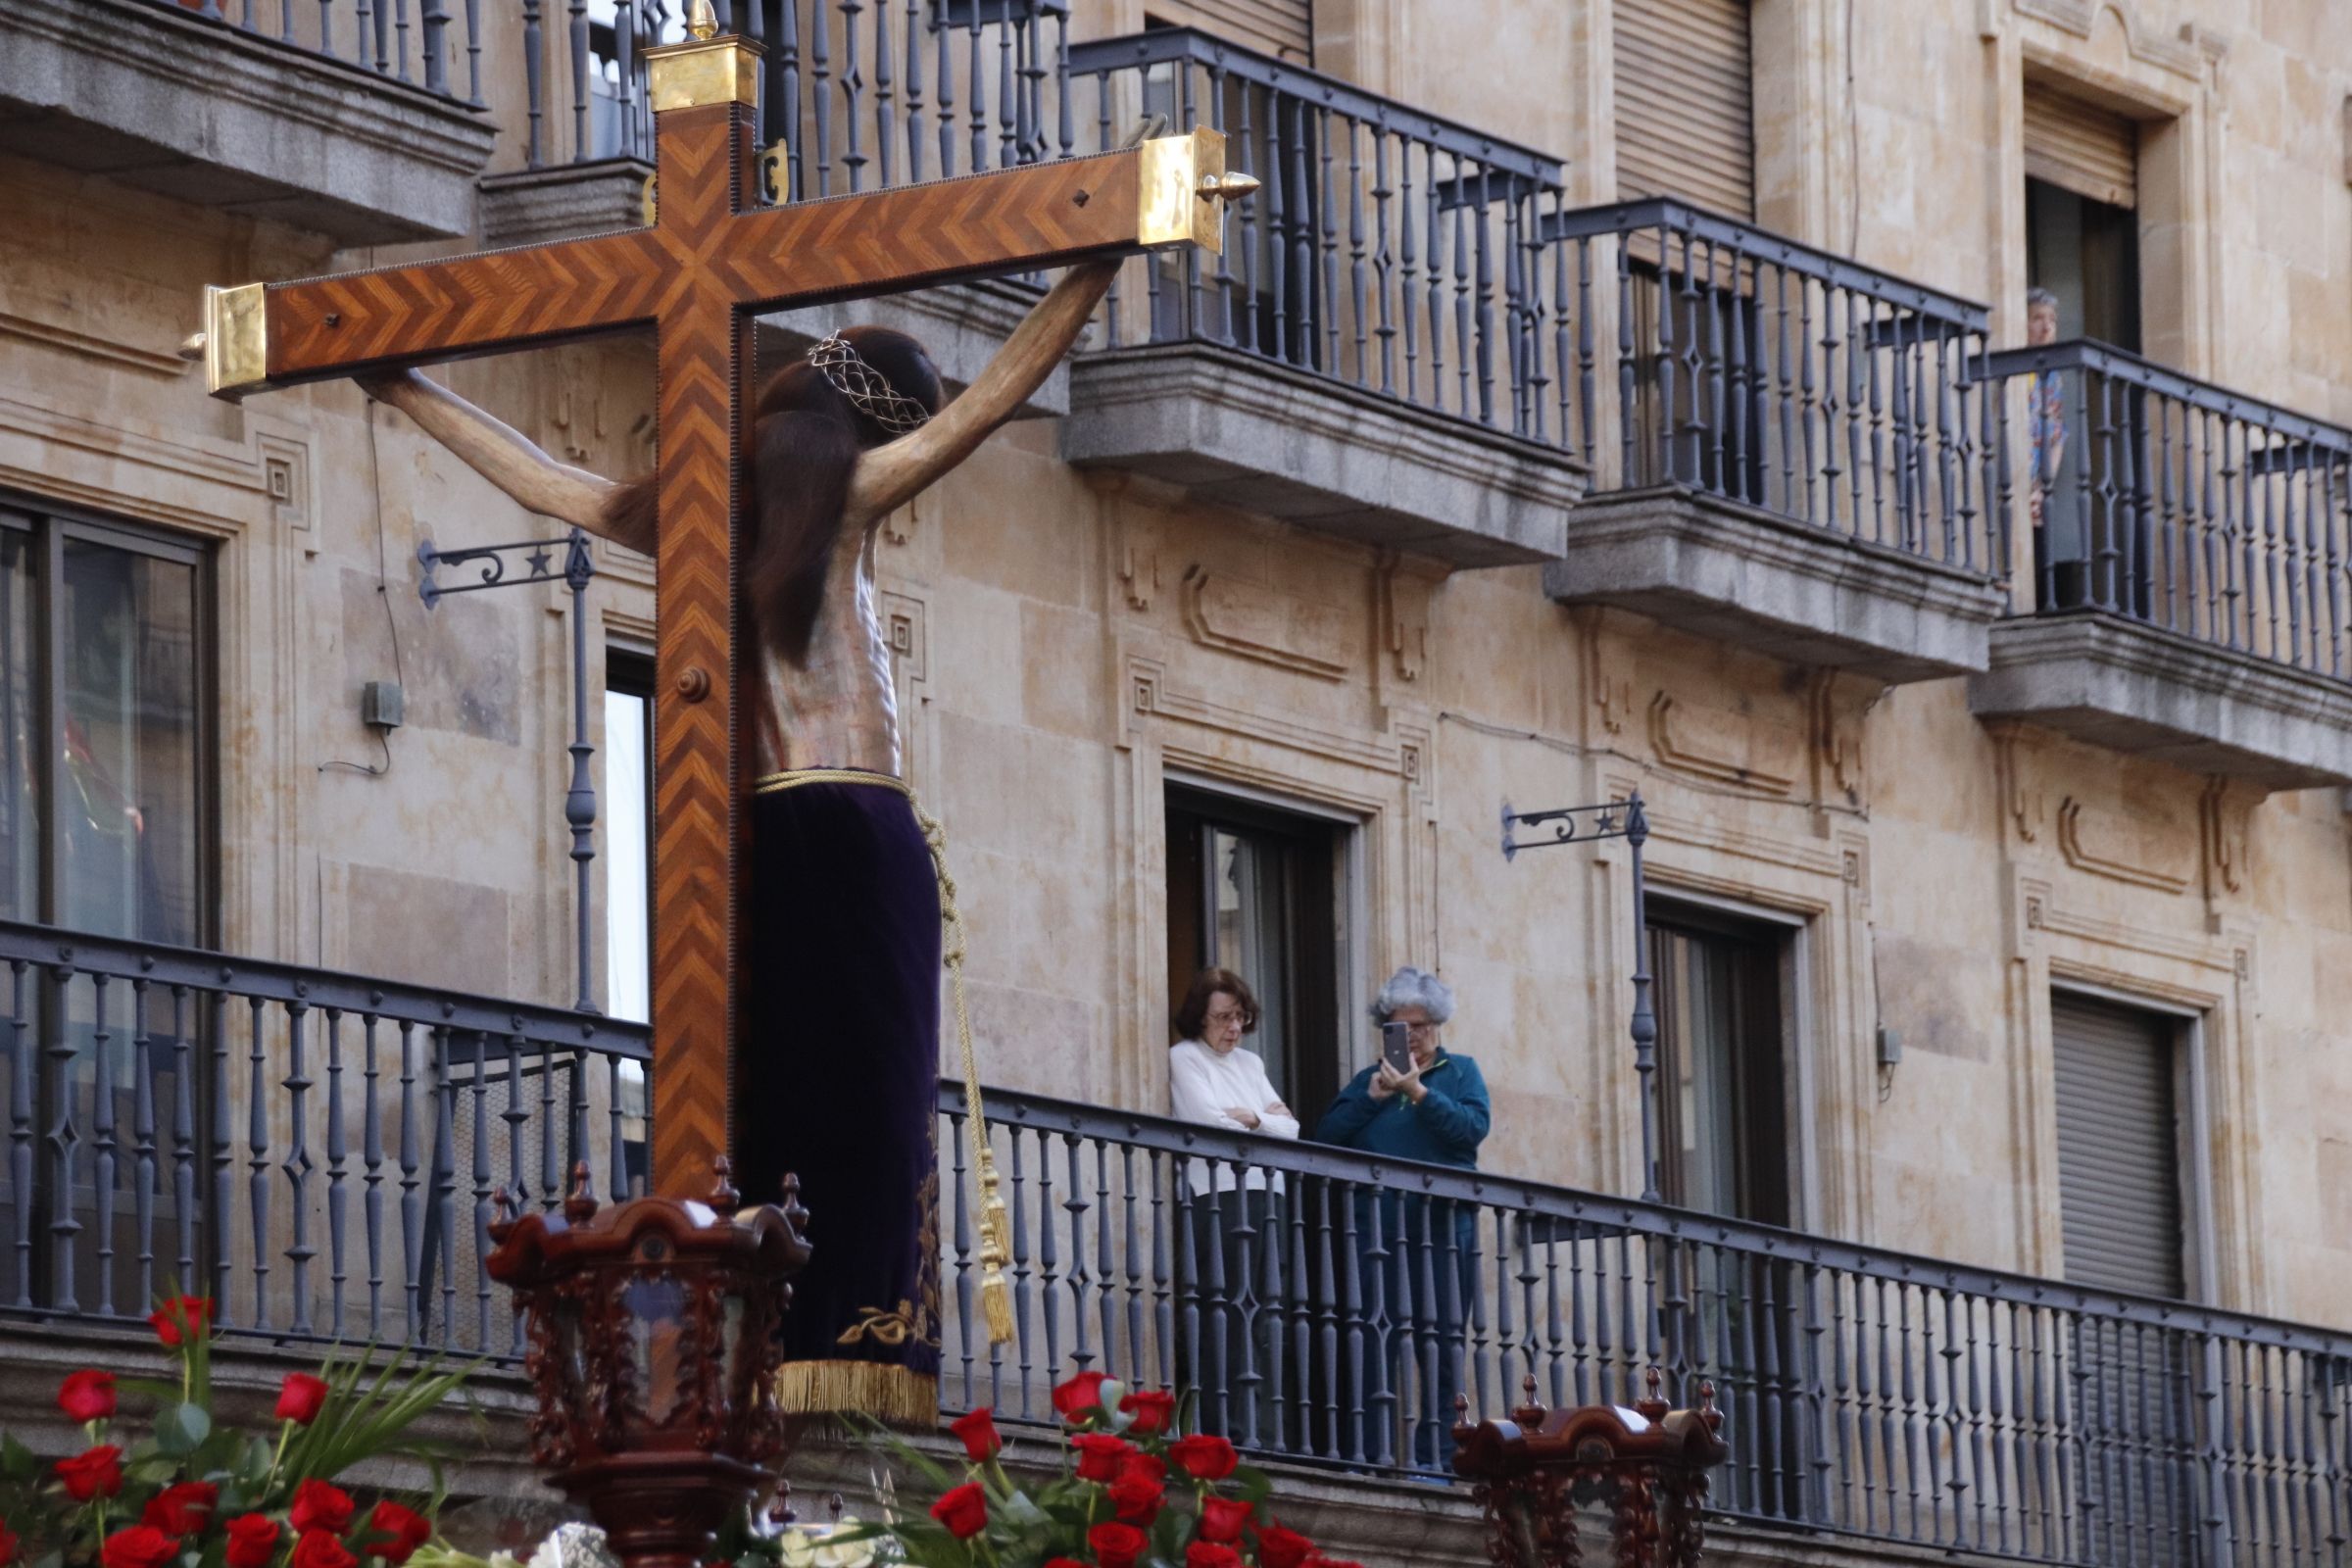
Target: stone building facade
1226 650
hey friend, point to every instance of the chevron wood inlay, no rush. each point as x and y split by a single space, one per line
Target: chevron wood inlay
714 260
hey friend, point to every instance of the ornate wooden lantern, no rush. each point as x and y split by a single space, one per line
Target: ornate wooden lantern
1598 1485
653 1354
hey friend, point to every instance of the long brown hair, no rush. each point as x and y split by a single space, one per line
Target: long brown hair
806 437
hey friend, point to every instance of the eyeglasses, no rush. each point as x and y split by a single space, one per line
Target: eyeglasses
1420 1031
1219 1021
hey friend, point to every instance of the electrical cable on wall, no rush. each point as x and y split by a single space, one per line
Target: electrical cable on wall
384 589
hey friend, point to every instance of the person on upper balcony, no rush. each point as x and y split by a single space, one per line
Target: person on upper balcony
1438 1109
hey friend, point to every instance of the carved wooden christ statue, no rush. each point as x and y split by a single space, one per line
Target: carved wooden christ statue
838 1059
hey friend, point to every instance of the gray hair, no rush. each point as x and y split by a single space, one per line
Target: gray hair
1409 987
2037 298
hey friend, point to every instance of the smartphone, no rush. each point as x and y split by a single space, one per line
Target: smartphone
1395 1045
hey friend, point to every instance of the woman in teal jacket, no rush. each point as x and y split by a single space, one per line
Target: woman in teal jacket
1415 1299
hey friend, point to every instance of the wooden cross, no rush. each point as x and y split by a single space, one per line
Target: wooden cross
713 259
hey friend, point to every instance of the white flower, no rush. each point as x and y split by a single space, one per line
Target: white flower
572 1546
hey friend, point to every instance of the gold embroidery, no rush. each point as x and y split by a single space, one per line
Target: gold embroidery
883 1328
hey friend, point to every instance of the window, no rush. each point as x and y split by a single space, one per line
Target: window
1722 1092
1685 117
104 725
105 802
1283 29
2120 1146
2122 1154
628 815
1260 891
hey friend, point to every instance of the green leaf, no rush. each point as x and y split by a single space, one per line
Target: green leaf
17 1461
181 1429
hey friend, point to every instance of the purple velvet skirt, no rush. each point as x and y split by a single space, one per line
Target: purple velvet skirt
838 1069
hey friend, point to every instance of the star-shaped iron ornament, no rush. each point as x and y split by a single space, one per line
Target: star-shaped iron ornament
540 561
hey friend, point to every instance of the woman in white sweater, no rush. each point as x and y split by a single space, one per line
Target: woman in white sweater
1236 1210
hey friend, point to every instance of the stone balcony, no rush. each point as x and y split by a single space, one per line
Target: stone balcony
165 98
1743 575
1337 364
1797 465
2191 589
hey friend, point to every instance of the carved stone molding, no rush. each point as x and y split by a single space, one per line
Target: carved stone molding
1151 696
1837 707
1710 746
2085 853
1266 624
1139 560
2184 50
2224 821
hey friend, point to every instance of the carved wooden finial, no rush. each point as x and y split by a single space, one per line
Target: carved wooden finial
793 1210
1652 1405
723 1196
579 1204
1531 1410
502 1214
1706 1404
701 21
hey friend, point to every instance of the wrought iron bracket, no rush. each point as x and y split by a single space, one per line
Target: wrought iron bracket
578 566
1574 824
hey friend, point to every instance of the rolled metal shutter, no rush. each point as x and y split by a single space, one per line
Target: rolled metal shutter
1686 103
2081 147
1284 29
2119 1148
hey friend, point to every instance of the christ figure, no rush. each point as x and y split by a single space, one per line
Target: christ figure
839 1057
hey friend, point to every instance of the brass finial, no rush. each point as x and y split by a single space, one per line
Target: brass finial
1229 186
701 21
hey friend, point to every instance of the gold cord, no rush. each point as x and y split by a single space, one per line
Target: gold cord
996 1223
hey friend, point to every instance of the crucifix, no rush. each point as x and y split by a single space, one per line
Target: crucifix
713 259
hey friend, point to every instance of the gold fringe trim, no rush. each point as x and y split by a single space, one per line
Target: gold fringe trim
769 784
895 1395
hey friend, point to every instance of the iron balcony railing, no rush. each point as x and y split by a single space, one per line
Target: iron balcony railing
2180 505
432 44
1753 367
318 1152
1329 1307
1386 249
860 95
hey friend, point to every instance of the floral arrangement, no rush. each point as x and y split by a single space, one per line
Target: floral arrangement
196 1492
1133 1491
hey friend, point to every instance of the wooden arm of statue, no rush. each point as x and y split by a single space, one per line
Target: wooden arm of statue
885 478
501 454
893 474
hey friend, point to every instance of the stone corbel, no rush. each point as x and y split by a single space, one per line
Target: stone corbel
1607 679
1404 586
2224 819
1838 707
2022 803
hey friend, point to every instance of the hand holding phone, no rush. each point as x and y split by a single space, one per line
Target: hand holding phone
1396 1047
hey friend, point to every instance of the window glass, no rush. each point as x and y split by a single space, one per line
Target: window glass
20 745
128 749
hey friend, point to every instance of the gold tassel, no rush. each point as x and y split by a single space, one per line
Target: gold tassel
895 1396
996 1304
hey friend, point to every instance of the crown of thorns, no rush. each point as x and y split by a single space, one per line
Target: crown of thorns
866 388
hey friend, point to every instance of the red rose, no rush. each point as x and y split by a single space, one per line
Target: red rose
1098 1455
1203 1458
1278 1547
964 1511
394 1533
182 1318
8 1545
1152 1408
139 1547
1209 1555
1332 1562
183 1508
1080 1398
1222 1519
87 1396
1116 1546
252 1541
319 1549
96 1473
301 1398
1137 1500
1064 1562
320 1507
978 1430
1141 1467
